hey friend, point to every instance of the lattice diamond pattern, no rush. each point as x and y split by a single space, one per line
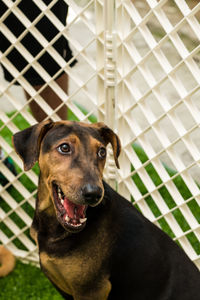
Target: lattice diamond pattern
159 50
18 194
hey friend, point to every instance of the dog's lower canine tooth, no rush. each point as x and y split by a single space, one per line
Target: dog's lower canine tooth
67 218
83 220
62 201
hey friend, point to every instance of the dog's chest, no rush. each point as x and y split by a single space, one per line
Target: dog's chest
69 272
78 268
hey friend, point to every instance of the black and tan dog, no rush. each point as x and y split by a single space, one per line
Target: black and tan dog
93 244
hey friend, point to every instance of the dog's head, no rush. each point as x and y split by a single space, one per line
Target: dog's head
71 158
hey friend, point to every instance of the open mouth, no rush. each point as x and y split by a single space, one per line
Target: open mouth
71 215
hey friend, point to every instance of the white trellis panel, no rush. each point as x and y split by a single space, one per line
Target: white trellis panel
138 70
157 98
84 31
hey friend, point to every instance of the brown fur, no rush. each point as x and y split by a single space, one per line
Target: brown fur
54 167
7 261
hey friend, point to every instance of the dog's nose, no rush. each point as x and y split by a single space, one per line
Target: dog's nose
91 193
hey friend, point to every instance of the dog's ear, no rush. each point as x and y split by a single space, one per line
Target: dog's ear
27 142
110 137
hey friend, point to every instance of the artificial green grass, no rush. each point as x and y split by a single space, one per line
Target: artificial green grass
28 282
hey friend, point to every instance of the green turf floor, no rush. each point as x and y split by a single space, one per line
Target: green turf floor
27 282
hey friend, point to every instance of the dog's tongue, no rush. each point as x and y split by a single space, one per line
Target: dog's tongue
74 211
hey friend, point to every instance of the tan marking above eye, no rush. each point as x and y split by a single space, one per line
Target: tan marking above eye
95 144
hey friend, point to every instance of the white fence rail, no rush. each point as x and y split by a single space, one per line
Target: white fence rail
138 70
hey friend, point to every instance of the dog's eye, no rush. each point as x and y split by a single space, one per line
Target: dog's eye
65 149
102 152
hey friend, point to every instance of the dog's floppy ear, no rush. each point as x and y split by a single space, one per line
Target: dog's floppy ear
110 137
27 142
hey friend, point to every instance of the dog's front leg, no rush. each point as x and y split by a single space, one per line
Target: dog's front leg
99 292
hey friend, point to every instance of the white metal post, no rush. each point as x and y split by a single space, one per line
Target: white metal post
110 80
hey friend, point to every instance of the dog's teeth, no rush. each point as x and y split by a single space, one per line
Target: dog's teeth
67 218
62 201
83 220
76 225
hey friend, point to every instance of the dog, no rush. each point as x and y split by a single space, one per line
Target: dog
7 261
93 244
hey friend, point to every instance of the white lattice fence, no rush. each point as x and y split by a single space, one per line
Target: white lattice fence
138 69
18 195
158 108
